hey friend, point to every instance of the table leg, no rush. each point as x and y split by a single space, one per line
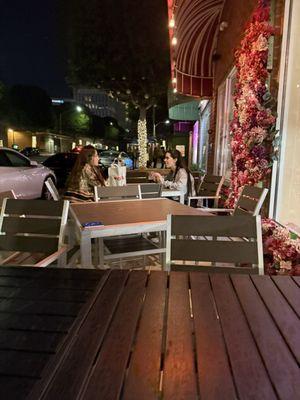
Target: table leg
100 252
86 252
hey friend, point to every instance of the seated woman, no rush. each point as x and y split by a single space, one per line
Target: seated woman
84 176
180 177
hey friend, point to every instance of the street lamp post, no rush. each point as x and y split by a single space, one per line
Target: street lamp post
166 122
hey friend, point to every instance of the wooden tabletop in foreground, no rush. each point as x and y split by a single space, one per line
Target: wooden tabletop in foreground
82 334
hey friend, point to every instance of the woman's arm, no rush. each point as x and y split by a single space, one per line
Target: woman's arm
180 182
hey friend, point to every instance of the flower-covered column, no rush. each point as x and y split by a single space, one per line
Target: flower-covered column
252 127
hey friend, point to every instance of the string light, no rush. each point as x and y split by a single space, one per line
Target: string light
174 41
174 80
172 23
142 143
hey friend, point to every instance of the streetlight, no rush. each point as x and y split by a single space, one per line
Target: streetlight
166 122
78 108
61 112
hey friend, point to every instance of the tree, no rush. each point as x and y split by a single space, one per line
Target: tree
70 120
27 107
122 49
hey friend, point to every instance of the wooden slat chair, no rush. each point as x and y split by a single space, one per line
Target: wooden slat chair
120 247
150 190
117 192
209 189
249 202
137 176
220 243
52 189
34 231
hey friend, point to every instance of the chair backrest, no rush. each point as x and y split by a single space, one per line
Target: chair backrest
36 226
52 189
150 190
227 243
250 201
210 185
117 192
137 176
9 194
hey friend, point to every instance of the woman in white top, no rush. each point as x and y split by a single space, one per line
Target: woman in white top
180 177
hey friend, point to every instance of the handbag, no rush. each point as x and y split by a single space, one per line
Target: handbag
117 174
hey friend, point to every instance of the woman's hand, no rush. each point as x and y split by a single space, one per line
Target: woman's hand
156 177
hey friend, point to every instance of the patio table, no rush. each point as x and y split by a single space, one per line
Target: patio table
82 334
123 217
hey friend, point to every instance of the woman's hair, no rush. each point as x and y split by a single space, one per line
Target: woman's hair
84 157
180 163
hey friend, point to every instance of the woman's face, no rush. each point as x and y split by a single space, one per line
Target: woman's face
94 160
170 161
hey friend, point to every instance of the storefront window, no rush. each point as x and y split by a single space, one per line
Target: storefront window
224 116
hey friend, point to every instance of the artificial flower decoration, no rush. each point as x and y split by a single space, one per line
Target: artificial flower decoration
252 127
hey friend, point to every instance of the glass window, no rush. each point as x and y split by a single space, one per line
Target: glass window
4 161
17 160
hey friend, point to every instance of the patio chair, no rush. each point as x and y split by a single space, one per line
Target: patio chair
120 247
150 190
117 192
214 244
209 189
249 203
34 231
50 185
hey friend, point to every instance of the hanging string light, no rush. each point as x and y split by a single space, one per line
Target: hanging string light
142 143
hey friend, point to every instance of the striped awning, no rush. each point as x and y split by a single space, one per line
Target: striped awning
194 25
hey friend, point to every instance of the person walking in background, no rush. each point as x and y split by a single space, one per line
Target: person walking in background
84 176
162 156
156 155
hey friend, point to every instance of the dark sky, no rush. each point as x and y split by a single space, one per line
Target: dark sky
29 45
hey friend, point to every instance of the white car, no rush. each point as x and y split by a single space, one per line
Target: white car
25 177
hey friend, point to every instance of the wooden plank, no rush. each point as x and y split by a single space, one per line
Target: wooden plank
26 243
238 226
66 295
280 363
297 280
34 207
43 342
252 191
114 353
247 203
144 369
127 191
31 225
179 379
219 251
214 374
22 364
290 290
79 360
43 323
286 320
45 307
17 387
250 376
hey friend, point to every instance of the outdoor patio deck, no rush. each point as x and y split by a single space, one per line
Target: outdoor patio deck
69 334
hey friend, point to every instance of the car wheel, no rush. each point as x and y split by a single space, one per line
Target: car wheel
46 195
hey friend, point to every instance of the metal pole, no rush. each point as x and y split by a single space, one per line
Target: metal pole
153 120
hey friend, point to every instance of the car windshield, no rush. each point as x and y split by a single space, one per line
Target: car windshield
109 153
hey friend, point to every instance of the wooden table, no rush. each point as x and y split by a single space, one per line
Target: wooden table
107 335
122 217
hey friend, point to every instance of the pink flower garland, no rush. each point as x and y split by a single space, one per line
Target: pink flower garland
251 140
281 251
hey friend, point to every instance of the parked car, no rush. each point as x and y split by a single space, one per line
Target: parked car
30 151
107 157
25 177
62 164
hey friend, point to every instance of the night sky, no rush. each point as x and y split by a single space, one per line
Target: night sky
29 46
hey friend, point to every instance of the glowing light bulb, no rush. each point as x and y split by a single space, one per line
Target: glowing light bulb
174 41
172 23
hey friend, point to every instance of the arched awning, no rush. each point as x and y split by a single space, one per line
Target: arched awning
194 24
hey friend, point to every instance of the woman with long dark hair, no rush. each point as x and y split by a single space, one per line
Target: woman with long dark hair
180 177
84 176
